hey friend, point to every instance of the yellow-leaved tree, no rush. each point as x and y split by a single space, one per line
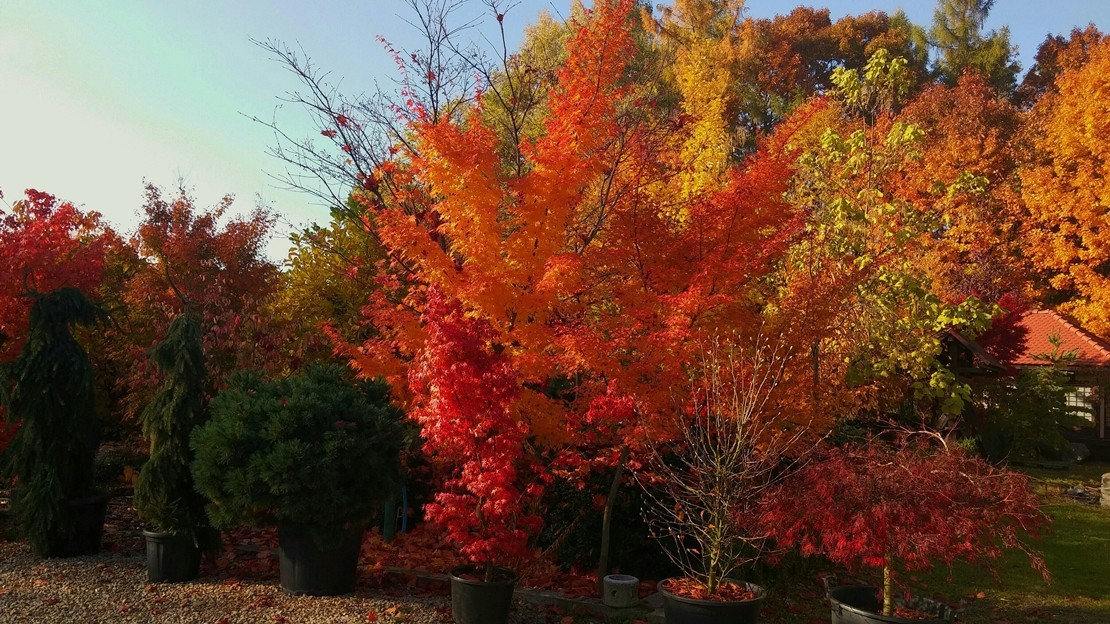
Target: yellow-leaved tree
1067 191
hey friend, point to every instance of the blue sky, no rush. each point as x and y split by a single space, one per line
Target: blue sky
96 97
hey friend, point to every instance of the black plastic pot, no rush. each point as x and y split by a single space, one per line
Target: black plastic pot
171 558
681 610
475 601
88 528
318 567
860 604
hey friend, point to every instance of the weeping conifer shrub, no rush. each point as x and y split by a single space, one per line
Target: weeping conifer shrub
316 451
49 387
164 494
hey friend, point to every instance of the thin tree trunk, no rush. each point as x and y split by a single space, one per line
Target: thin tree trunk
888 589
606 521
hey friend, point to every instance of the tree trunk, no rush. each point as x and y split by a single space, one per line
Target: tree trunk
888 589
606 521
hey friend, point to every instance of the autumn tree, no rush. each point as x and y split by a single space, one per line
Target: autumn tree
464 396
967 176
328 273
1066 192
589 287
961 45
906 507
852 292
188 257
739 76
45 244
1054 55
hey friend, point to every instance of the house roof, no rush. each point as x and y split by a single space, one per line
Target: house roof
1039 325
981 361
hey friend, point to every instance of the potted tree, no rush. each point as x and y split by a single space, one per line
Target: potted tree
902 507
49 389
463 388
313 454
731 441
164 494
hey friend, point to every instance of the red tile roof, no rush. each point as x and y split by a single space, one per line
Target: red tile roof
1040 324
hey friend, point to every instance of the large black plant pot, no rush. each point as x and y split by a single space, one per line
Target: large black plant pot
860 604
171 558
474 601
88 528
681 610
318 567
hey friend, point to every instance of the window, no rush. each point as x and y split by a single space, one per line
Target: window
1081 402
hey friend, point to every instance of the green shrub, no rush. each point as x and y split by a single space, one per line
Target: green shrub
313 450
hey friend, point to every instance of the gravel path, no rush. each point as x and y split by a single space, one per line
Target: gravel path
112 587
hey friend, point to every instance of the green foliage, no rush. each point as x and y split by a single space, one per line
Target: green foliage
164 494
572 525
865 235
885 80
962 46
313 449
49 388
1026 413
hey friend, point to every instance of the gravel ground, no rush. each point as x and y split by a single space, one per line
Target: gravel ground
112 587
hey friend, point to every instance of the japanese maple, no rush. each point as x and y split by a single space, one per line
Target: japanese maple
185 255
45 244
730 447
904 507
464 390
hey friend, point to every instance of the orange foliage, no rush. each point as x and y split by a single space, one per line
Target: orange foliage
966 176
570 258
1066 190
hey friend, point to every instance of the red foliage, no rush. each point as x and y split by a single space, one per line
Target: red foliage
187 255
44 245
692 588
1006 338
464 392
906 505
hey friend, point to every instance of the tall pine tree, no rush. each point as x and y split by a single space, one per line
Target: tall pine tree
961 45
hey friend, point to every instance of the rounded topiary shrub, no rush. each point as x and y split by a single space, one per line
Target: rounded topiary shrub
316 450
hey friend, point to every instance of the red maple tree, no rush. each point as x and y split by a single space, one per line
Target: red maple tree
45 244
904 506
464 390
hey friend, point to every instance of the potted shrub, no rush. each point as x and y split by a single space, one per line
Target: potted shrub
49 389
463 388
313 454
704 488
902 507
164 494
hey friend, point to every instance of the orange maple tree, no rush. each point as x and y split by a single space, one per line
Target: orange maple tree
572 260
1066 192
